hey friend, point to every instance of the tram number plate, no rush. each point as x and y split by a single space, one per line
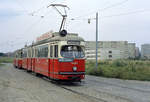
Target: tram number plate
74 42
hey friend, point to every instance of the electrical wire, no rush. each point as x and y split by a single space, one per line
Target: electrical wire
114 5
35 23
44 7
18 2
127 13
39 8
115 15
106 8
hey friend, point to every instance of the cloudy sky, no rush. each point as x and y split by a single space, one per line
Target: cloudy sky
21 21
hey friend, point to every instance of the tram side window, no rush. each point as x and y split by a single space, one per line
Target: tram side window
21 54
39 52
24 53
56 51
46 52
29 53
32 52
51 51
36 52
43 51
16 56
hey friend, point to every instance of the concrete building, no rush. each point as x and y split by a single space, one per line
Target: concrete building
137 52
132 50
110 50
145 51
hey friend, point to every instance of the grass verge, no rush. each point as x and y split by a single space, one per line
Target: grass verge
6 60
122 69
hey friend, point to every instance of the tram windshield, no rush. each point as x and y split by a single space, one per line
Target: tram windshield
72 51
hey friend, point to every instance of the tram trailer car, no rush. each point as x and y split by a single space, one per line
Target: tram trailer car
18 59
58 57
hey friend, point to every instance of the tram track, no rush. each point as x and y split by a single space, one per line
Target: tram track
121 86
60 85
92 98
89 97
83 95
104 96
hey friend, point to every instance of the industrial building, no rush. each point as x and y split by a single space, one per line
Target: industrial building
145 51
110 50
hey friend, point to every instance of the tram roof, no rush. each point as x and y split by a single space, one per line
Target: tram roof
57 37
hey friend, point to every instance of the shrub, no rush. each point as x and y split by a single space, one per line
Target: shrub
123 69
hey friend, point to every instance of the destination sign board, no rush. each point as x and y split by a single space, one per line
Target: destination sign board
70 42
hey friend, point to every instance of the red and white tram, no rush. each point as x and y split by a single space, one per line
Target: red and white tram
57 57
18 59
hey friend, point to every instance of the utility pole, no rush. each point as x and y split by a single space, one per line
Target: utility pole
96 40
96 55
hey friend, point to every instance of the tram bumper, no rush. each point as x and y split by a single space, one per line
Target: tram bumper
72 76
71 73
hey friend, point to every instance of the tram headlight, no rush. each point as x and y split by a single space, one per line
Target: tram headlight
74 68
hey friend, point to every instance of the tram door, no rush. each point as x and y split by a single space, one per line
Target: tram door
51 62
33 60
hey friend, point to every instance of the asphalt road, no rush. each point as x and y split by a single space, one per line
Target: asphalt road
19 86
